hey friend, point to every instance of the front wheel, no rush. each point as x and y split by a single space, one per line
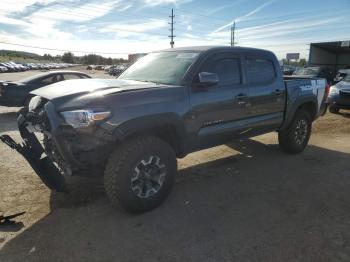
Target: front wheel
140 173
295 137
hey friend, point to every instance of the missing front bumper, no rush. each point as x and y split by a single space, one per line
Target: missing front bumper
33 152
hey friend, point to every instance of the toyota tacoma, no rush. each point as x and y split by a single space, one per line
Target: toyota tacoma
168 104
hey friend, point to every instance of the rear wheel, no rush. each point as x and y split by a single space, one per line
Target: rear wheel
140 174
333 110
294 139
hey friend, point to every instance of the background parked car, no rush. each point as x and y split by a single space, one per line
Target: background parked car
342 73
3 69
17 93
288 69
9 67
314 72
339 95
100 67
117 70
17 67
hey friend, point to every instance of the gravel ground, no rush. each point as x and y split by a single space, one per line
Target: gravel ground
244 201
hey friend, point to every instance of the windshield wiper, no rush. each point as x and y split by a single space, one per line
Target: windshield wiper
147 81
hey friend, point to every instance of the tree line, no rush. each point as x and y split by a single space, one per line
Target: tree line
67 57
90 59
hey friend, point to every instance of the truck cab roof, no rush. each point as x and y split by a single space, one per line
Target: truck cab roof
215 49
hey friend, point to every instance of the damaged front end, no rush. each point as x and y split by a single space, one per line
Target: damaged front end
64 149
32 150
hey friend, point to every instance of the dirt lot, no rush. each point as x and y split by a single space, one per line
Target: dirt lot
245 201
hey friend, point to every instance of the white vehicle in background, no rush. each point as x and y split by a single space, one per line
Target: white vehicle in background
18 67
3 69
342 73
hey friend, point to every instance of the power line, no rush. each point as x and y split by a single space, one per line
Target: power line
63 50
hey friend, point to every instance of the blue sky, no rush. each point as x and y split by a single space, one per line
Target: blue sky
119 27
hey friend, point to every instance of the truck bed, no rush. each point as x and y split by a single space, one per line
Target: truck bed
305 86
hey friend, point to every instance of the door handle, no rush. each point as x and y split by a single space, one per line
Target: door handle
241 99
279 92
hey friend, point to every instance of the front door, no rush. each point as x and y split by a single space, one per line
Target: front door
217 109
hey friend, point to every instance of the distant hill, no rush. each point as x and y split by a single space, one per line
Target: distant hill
68 57
21 54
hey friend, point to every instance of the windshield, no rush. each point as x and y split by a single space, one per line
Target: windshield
164 68
306 72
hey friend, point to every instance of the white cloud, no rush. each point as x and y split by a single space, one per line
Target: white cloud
44 24
133 27
17 6
223 7
82 13
280 28
152 3
243 17
11 21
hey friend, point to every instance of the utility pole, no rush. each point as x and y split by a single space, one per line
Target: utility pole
172 36
233 28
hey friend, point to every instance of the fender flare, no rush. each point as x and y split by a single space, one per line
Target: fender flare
293 108
146 123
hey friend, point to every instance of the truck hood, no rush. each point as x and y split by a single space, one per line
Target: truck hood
89 86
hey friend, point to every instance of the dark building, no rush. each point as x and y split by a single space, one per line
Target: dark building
330 55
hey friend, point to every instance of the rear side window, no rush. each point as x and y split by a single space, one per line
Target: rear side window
260 71
51 79
228 70
71 76
83 76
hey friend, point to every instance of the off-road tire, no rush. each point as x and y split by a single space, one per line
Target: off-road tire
287 137
333 110
121 166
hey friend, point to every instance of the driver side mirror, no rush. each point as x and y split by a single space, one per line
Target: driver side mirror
208 79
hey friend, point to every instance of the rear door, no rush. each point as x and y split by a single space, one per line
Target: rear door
267 93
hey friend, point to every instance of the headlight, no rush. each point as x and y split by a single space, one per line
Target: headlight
84 118
34 103
334 90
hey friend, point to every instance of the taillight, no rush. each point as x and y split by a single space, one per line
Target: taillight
328 88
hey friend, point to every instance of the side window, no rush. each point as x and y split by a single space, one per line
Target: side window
260 71
49 80
83 76
71 76
59 78
228 70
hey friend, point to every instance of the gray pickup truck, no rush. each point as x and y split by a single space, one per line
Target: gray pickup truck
166 105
